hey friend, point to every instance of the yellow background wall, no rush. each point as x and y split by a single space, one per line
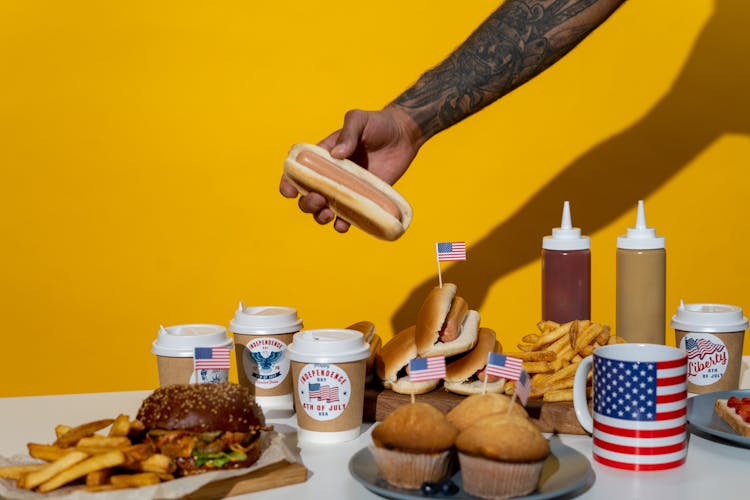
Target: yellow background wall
141 145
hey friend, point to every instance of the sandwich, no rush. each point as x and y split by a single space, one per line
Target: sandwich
204 427
445 324
392 362
466 374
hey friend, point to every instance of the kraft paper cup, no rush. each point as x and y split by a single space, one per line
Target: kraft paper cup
328 375
262 335
175 349
712 336
639 420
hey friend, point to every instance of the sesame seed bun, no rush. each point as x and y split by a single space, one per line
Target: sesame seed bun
201 408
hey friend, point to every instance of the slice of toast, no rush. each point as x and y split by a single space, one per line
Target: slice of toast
730 416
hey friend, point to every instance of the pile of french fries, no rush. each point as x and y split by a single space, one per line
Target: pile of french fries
551 356
102 462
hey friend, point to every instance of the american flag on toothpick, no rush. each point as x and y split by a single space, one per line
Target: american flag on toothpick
500 365
449 251
640 413
422 369
211 358
523 387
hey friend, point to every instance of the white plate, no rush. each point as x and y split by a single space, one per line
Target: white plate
566 472
701 416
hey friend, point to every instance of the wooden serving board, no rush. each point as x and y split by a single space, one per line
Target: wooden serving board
272 476
557 418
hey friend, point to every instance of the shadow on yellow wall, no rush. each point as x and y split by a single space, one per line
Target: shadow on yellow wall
703 104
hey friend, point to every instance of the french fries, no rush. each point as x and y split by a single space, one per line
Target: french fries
551 356
85 430
99 462
16 471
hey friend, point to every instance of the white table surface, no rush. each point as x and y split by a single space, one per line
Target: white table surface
712 470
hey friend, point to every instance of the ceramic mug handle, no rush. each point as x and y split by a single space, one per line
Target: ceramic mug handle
580 402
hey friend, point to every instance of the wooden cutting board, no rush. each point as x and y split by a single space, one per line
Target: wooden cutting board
273 476
557 418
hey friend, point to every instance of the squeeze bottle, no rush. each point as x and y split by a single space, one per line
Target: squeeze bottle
641 283
566 273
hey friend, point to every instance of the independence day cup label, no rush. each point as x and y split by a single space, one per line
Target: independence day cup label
266 362
323 390
708 357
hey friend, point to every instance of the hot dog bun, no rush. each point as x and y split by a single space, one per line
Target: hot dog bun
461 375
393 358
368 332
730 416
353 193
445 326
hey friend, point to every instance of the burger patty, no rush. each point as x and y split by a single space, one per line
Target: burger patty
202 451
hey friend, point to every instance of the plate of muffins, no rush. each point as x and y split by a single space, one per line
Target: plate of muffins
485 447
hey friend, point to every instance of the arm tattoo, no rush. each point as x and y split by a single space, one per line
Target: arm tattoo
517 42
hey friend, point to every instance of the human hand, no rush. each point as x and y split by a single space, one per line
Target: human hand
384 142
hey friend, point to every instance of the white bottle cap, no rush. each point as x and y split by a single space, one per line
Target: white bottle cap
640 237
566 237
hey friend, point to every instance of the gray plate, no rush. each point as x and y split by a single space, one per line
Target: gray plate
701 416
566 473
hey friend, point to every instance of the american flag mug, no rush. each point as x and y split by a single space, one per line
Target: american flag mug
639 406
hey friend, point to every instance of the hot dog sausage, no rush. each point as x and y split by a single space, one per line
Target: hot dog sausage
452 323
329 169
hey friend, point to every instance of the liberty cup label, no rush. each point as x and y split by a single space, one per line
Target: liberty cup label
708 357
324 391
266 362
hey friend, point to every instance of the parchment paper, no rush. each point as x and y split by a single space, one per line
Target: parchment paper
273 444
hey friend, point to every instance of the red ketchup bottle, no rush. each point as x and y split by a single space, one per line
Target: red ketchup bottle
566 273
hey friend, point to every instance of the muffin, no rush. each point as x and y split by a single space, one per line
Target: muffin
477 406
501 456
414 445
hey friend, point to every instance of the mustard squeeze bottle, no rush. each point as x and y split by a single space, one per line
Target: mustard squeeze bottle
641 283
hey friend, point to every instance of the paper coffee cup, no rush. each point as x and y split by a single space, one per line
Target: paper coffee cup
175 349
261 336
712 336
328 373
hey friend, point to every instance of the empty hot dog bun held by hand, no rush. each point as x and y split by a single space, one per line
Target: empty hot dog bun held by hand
353 193
445 325
392 361
466 374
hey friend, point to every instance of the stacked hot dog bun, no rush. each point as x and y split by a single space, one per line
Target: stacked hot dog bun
391 365
353 193
466 374
367 328
445 324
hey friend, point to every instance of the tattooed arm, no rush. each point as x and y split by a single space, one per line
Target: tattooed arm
517 42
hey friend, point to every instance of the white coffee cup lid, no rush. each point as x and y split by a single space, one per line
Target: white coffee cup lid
328 346
180 341
263 320
709 318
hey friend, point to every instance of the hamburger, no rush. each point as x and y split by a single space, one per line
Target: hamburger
466 374
204 427
445 324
